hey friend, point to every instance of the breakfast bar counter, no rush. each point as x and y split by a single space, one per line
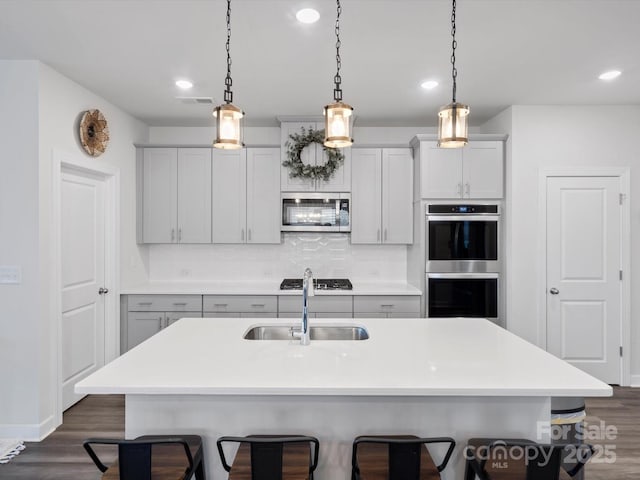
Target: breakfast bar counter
457 377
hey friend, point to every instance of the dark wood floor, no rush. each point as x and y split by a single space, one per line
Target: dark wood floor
61 456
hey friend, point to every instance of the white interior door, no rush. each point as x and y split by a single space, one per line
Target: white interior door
583 273
82 276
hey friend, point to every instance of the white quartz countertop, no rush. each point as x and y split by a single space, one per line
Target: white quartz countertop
262 288
402 357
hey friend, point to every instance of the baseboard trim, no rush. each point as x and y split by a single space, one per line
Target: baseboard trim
29 432
635 381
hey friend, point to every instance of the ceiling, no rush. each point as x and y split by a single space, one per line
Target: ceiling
523 52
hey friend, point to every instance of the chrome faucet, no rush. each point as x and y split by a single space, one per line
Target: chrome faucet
307 291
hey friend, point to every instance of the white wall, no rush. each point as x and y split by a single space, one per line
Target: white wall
562 136
40 113
21 352
62 103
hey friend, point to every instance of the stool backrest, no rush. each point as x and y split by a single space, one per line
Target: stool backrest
267 453
493 459
134 460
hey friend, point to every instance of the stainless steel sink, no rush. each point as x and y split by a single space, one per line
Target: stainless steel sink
317 332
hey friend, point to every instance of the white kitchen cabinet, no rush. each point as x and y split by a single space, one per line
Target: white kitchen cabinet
145 315
386 306
237 306
263 195
246 196
313 155
229 204
332 306
475 171
382 196
176 195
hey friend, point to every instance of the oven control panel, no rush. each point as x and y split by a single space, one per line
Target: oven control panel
462 209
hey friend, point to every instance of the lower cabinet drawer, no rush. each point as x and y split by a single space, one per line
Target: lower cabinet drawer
317 304
408 304
164 303
240 303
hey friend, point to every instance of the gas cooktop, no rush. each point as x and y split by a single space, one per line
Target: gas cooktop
318 284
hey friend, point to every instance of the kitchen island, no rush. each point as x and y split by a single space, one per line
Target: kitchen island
429 377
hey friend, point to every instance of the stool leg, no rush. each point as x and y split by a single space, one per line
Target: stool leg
200 473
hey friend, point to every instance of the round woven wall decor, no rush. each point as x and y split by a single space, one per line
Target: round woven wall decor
94 132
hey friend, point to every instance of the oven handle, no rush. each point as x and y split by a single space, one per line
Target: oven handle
479 276
463 217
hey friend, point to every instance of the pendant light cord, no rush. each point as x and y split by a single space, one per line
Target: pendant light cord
228 94
337 91
454 45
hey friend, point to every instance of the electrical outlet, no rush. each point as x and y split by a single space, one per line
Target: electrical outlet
10 275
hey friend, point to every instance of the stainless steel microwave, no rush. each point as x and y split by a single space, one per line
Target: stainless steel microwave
316 212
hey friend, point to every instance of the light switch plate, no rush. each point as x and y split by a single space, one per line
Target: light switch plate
10 275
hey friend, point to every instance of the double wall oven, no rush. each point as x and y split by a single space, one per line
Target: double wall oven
463 260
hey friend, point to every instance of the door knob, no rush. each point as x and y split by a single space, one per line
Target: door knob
554 291
103 290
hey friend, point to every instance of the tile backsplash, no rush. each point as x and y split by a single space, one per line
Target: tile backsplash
328 255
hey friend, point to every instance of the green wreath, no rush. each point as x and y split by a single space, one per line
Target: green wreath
297 143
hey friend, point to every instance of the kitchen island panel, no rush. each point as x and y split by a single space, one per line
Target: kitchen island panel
337 420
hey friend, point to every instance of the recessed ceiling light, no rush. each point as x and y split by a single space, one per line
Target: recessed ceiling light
610 75
308 15
429 84
184 84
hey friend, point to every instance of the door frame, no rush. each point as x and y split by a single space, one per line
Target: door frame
624 176
66 162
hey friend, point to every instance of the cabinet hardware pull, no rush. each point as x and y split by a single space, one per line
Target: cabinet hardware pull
385 234
459 190
261 305
389 305
467 189
249 234
145 303
173 234
182 304
220 304
378 235
179 235
242 235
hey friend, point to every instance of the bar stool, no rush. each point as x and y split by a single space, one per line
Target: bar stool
271 457
397 457
521 459
157 457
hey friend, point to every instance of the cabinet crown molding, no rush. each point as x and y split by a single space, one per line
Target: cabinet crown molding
477 137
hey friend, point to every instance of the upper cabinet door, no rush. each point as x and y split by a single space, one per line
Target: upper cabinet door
229 209
340 181
366 195
307 156
482 170
397 196
159 195
263 195
441 172
194 195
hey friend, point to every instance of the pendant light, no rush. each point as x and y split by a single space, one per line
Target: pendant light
229 117
453 118
337 115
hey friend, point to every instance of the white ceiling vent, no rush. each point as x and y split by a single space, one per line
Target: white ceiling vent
196 100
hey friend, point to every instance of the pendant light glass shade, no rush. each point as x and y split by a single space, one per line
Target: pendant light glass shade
337 125
453 129
228 127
